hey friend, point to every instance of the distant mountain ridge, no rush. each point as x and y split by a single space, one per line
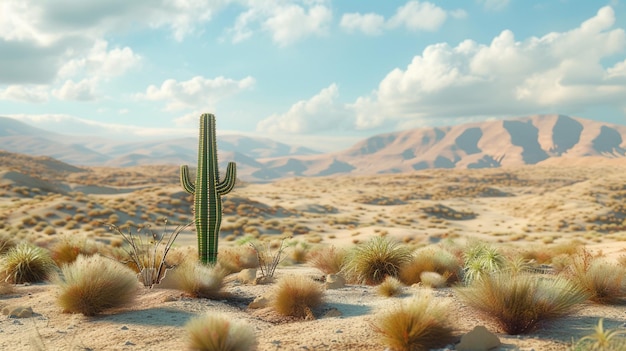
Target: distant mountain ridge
510 142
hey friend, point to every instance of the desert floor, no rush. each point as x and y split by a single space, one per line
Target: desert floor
527 209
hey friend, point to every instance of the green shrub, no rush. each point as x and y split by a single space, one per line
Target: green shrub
519 302
93 284
480 260
371 262
211 332
26 263
602 340
419 324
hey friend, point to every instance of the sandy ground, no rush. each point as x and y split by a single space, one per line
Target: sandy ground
520 209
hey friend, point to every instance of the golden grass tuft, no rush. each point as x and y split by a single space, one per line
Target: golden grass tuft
26 263
390 287
431 259
67 249
297 296
210 332
236 258
198 280
329 260
372 261
422 323
519 302
604 281
92 284
602 340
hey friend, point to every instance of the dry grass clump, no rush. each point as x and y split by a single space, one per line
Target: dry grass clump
93 284
390 287
329 260
519 302
6 288
236 258
197 279
371 262
297 296
211 332
604 281
26 263
419 324
431 259
67 249
6 242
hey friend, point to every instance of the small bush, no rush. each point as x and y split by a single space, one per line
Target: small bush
93 284
6 242
519 302
67 249
217 333
236 258
329 260
602 280
389 287
480 260
26 263
602 340
197 279
430 259
296 296
419 324
371 262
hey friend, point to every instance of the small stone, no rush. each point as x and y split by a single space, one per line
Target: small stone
18 312
334 281
479 339
124 327
129 343
259 302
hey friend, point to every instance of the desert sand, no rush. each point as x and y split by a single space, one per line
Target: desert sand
529 208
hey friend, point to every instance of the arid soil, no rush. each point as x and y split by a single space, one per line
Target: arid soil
527 209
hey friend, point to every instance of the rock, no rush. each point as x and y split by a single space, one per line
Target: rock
259 302
247 276
479 339
334 281
18 312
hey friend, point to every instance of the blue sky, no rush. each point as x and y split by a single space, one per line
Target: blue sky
318 73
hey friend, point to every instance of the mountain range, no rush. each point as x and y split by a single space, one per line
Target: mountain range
538 139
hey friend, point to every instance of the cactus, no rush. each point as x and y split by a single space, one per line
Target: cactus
208 190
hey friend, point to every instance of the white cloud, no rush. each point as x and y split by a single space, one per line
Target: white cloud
290 23
321 112
370 23
414 16
198 92
286 22
85 90
494 5
23 93
556 72
39 38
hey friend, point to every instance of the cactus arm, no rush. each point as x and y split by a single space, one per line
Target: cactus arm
185 182
225 186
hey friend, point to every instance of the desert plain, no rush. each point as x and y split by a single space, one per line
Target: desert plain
528 211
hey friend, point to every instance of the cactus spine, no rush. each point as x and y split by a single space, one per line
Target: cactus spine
208 190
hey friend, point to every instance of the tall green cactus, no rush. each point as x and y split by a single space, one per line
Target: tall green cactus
208 190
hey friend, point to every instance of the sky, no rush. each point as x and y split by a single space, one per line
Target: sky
316 73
